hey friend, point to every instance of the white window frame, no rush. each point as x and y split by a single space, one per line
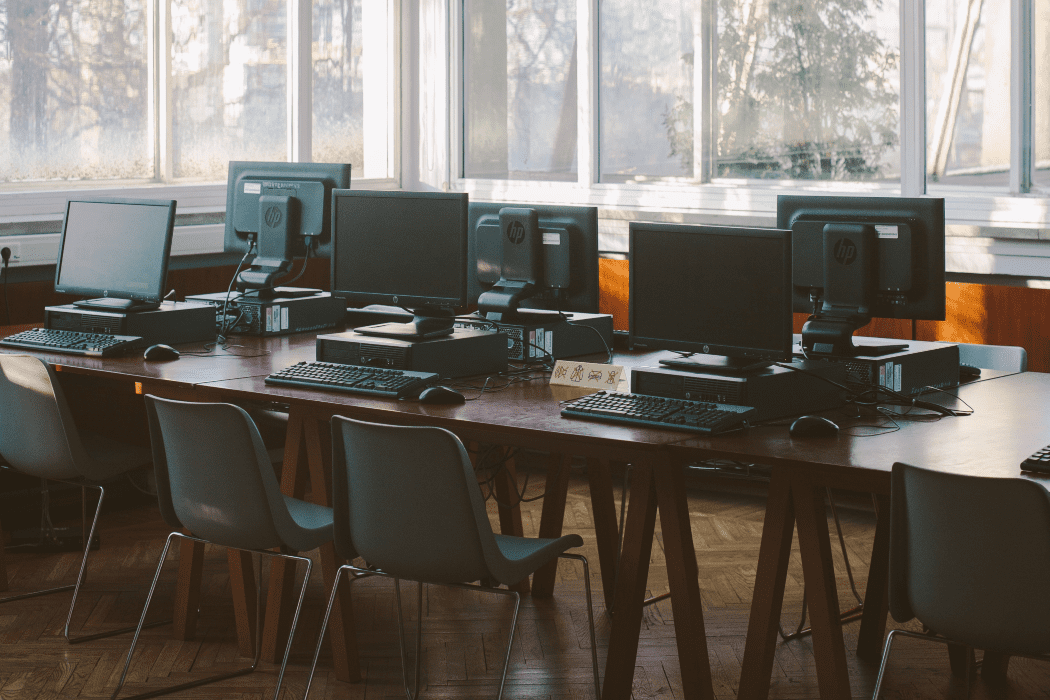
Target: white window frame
22 205
1003 231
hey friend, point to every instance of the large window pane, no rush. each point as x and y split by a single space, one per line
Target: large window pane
73 90
1041 95
808 89
647 51
353 83
968 92
519 89
229 82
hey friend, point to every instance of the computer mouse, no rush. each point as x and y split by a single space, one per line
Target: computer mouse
441 394
160 352
813 426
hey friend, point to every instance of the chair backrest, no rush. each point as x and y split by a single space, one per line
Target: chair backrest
1008 358
37 433
970 558
407 500
213 474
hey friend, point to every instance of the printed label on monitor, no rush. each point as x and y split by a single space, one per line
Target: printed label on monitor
887 230
551 238
252 188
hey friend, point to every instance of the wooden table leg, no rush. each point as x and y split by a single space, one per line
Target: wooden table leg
188 591
242 586
280 603
552 518
876 599
682 575
341 628
3 563
506 485
631 585
778 529
829 648
606 532
994 666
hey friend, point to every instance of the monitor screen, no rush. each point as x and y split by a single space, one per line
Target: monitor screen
400 248
908 250
711 290
568 264
310 184
116 248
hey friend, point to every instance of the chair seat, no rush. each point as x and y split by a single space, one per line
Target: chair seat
526 554
313 521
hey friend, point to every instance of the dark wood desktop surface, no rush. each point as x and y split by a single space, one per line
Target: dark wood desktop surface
1007 426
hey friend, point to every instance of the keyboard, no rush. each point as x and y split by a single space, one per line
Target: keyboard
354 379
658 412
1038 462
72 342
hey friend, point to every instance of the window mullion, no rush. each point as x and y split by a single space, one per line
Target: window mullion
913 97
588 78
158 18
705 89
300 80
1021 134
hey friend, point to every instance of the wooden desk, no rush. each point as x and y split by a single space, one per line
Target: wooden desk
1009 423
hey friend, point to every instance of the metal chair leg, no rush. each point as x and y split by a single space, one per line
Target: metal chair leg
328 614
853 613
882 666
590 618
409 692
258 618
88 535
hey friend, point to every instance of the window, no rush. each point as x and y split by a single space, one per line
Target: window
87 95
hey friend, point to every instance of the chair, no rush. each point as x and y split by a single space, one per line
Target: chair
39 438
970 559
406 500
1008 358
214 479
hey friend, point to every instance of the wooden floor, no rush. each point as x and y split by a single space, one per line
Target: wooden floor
464 633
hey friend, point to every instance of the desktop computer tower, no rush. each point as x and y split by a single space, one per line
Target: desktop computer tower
551 335
173 322
774 392
278 316
463 353
922 364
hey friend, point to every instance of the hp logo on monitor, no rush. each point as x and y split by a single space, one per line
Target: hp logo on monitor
845 251
273 217
516 232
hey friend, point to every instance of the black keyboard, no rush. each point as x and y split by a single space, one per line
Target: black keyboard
658 412
72 342
354 379
1038 462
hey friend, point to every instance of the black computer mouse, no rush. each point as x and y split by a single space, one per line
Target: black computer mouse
813 426
441 394
160 352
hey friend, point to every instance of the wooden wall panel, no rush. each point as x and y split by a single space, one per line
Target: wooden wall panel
974 313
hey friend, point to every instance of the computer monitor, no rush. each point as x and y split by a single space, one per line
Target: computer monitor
858 258
117 251
285 209
405 249
722 293
526 256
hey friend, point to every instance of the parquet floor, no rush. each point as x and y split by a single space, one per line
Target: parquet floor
464 632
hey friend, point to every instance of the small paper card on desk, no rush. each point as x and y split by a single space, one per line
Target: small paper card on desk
586 375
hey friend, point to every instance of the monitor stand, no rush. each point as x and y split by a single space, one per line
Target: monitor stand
288 293
716 364
421 327
124 306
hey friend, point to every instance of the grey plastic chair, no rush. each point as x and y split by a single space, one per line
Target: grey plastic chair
39 438
970 559
407 501
214 479
1008 358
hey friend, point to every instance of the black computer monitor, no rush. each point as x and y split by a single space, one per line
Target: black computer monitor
117 251
722 293
285 210
858 258
526 256
405 249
